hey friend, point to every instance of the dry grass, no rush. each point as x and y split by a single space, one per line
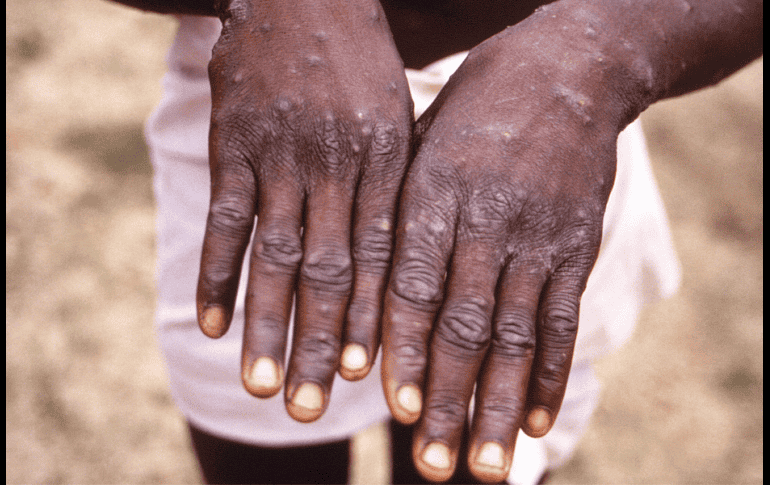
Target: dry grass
86 392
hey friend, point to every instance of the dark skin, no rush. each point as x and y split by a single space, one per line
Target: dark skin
320 163
500 189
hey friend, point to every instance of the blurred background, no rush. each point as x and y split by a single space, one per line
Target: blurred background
86 394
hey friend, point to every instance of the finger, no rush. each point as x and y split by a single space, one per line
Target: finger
556 332
325 280
502 389
228 230
275 258
424 241
372 247
460 341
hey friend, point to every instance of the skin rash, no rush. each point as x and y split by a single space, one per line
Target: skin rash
462 241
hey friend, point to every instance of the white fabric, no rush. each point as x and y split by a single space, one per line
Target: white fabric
636 264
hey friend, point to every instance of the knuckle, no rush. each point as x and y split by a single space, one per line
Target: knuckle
387 142
218 282
236 126
501 408
489 215
232 213
466 323
560 317
537 217
282 118
583 240
551 377
269 326
416 282
514 334
328 270
329 143
372 247
411 357
444 408
318 347
216 275
278 248
363 312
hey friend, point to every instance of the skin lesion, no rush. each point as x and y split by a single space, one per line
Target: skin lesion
579 104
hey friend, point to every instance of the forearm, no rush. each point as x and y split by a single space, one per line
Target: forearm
674 47
220 7
188 7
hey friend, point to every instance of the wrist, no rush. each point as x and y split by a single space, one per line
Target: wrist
605 58
658 49
300 10
179 7
566 57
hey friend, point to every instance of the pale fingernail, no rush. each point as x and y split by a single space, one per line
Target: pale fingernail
409 398
436 455
264 374
308 396
212 320
354 357
539 421
492 455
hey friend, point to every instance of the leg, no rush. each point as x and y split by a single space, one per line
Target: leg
227 462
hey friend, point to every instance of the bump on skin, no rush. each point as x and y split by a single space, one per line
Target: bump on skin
314 61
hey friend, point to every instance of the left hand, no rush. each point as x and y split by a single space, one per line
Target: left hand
500 224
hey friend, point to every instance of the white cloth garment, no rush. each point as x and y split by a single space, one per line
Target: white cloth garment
636 264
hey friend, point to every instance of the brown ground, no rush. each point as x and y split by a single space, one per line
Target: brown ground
86 393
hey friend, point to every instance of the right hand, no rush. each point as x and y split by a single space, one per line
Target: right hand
310 132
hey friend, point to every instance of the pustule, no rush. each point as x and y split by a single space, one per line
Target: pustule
577 102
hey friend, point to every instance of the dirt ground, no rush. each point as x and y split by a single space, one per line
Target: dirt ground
86 394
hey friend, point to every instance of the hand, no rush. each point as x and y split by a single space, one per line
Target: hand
499 227
310 132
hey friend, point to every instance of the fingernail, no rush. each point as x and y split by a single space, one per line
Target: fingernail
354 357
409 398
212 321
309 396
436 455
492 455
539 421
264 374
